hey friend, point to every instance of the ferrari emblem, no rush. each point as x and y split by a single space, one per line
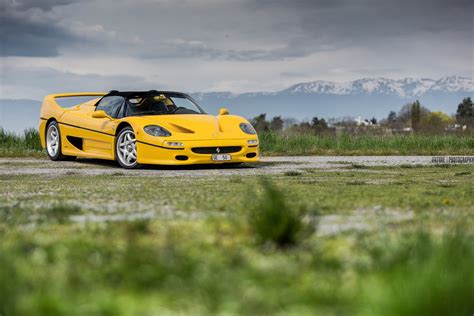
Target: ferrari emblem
218 150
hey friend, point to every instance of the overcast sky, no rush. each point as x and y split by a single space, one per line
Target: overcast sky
50 46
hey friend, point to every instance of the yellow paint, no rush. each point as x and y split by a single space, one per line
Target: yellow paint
193 130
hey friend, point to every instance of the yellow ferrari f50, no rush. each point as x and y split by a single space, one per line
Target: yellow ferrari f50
144 127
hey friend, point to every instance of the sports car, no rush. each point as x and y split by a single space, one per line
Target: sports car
144 127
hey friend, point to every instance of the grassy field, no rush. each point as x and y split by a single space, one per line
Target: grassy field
24 145
365 145
353 241
28 145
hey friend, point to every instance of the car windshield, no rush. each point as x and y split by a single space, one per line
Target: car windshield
162 104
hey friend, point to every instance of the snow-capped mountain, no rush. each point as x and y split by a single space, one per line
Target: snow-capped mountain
408 87
365 97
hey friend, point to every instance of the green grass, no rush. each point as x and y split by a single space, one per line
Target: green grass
273 221
28 144
24 145
309 144
213 247
418 274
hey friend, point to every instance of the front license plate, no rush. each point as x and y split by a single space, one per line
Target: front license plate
221 157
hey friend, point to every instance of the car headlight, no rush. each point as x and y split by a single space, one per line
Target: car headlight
247 128
155 130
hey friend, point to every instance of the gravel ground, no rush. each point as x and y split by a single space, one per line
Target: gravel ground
269 165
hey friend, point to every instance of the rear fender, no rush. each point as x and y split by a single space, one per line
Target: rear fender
50 109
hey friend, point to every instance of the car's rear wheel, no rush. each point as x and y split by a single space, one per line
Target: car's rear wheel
53 143
126 149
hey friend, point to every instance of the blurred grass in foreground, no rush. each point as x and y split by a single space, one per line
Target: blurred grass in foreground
420 274
273 221
211 247
123 269
271 143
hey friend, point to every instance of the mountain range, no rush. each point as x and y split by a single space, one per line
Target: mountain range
367 97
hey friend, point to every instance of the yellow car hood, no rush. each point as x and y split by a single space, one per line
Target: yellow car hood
195 126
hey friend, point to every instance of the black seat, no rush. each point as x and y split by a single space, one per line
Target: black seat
158 106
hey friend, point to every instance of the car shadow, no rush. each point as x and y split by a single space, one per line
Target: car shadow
114 164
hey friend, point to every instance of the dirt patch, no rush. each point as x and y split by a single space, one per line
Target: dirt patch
269 165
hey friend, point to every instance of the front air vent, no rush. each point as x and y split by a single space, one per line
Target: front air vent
216 150
180 129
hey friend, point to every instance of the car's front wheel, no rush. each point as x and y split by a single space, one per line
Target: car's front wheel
126 149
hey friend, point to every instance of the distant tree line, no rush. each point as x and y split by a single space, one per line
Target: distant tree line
277 124
422 120
412 118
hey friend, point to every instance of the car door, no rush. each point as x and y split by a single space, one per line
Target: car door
101 138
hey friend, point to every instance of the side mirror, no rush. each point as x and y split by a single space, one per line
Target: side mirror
223 111
99 114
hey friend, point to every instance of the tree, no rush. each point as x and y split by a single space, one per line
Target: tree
435 122
415 116
404 115
373 120
315 121
392 117
276 124
260 123
289 122
319 125
465 112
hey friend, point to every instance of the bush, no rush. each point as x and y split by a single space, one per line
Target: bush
13 145
272 221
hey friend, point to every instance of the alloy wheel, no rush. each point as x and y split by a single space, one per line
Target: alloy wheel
127 148
52 140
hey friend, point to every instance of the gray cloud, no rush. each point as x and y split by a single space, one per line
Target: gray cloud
222 44
334 24
28 28
45 5
38 82
303 27
241 30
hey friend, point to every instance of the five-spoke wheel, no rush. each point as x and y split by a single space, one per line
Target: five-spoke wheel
53 142
126 148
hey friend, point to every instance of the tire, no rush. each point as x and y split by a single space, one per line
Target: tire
54 144
126 149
